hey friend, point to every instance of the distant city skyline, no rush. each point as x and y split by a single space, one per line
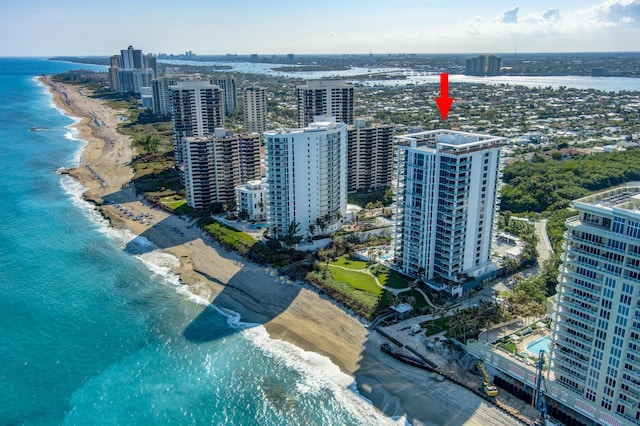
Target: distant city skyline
37 28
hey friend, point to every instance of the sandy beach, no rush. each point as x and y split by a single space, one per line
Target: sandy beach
294 313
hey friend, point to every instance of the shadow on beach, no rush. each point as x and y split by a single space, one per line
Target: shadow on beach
259 296
258 293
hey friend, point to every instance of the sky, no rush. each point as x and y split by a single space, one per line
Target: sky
101 28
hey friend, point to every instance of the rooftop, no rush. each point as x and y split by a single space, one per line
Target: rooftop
449 140
626 198
327 123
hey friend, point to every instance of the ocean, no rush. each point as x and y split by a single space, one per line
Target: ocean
92 333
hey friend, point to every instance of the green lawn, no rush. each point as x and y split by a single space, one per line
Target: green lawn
172 202
357 280
351 264
394 280
228 236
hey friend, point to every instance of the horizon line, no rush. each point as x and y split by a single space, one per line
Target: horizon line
341 54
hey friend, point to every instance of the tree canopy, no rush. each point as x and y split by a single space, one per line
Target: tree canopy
552 185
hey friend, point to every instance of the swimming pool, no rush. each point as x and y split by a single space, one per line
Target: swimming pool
386 256
539 344
257 226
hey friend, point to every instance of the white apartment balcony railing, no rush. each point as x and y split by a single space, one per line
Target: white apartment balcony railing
594 256
578 318
628 394
568 335
564 350
579 370
567 371
597 283
565 293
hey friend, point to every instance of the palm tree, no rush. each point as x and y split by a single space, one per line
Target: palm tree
311 229
320 222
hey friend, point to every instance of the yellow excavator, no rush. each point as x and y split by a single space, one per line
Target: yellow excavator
489 388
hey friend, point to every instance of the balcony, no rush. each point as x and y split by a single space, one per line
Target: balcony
571 368
571 336
570 351
567 314
597 284
577 306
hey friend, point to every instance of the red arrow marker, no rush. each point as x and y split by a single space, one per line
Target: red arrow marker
444 101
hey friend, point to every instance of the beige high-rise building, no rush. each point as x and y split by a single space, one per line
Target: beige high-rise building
162 93
197 109
370 154
214 165
325 97
228 86
255 109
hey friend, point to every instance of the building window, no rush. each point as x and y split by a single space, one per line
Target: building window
633 229
618 225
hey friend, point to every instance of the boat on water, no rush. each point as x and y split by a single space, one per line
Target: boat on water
37 129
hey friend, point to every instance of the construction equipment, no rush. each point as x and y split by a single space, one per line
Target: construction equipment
541 404
489 388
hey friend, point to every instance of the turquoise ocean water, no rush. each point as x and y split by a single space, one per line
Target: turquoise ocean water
93 334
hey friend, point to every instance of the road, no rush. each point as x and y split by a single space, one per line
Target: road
544 245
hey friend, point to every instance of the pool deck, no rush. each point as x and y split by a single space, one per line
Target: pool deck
523 342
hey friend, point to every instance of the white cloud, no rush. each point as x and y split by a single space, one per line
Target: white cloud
615 12
551 14
509 16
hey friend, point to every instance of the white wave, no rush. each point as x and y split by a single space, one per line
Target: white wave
317 370
72 132
192 297
320 372
161 264
157 262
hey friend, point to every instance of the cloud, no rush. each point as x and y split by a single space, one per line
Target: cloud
509 16
615 12
551 15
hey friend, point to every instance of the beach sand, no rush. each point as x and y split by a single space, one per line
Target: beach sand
294 313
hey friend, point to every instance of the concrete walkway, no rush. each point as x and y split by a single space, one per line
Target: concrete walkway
545 250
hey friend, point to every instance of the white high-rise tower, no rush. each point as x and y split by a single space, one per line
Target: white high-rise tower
306 177
446 193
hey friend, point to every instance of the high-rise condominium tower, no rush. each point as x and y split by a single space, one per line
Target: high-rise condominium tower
162 93
596 319
255 109
306 177
370 156
228 86
215 164
446 191
325 97
197 109
132 58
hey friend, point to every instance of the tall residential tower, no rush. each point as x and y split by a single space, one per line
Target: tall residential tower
325 97
446 192
306 177
370 156
197 109
595 356
215 164
255 109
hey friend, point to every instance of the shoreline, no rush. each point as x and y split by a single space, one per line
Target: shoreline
296 314
225 279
